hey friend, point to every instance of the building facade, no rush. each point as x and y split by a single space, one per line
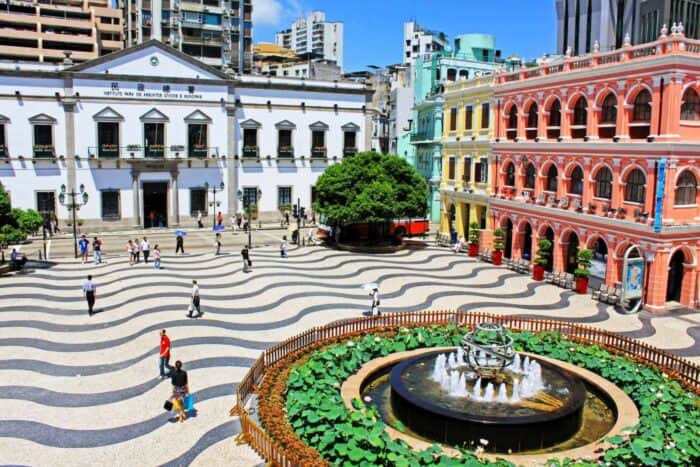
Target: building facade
314 35
601 152
216 32
43 31
466 185
149 133
473 56
418 42
583 23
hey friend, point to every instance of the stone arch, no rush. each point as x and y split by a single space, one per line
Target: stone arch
549 100
507 106
691 168
689 256
568 168
623 174
544 167
602 95
505 163
571 101
528 103
597 167
636 89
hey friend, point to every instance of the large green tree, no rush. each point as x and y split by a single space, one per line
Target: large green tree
16 224
371 187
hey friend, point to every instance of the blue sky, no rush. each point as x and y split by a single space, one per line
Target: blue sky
374 28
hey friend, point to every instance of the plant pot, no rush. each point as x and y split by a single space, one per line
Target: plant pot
581 284
473 249
538 272
497 258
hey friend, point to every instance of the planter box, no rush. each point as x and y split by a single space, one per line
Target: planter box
285 152
318 153
497 258
473 249
197 153
582 285
108 151
538 272
250 152
349 152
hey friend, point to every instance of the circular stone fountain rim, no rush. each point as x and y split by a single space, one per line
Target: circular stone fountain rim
626 410
578 396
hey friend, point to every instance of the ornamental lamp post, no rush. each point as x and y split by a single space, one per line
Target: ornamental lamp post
214 204
73 205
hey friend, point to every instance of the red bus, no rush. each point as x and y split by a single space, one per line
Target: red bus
396 228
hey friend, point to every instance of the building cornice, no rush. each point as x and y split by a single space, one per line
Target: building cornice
641 149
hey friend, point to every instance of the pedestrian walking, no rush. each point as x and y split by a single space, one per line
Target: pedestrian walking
195 301
89 289
181 389
137 251
247 263
97 250
219 218
156 257
460 244
145 249
233 224
54 225
180 244
375 301
217 244
245 224
286 218
84 244
283 247
199 219
239 219
164 355
130 252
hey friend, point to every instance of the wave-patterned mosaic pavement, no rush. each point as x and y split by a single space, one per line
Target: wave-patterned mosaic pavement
79 390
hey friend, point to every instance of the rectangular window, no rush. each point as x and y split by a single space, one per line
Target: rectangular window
46 203
451 168
250 200
467 175
107 139
284 141
477 172
3 149
453 119
154 139
468 117
349 143
250 142
198 201
43 141
313 195
284 197
197 140
484 169
485 115
110 204
318 143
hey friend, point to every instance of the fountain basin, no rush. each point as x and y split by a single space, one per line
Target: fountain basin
552 416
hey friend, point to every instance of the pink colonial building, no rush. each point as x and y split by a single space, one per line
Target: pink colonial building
603 152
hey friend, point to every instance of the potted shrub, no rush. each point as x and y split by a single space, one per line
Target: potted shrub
498 246
544 250
582 272
473 239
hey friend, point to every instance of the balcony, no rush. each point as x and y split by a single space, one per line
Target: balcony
3 151
348 152
44 151
108 151
154 151
197 151
251 152
318 152
285 152
422 136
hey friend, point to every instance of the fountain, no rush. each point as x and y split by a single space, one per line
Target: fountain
486 390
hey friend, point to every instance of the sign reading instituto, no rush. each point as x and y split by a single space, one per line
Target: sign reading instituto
153 94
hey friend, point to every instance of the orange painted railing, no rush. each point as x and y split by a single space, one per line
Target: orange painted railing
676 367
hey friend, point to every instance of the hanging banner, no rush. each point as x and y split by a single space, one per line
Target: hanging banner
659 202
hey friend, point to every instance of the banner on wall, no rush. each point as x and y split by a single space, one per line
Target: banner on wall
659 201
632 280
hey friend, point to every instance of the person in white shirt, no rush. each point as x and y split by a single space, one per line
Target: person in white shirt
283 247
146 249
199 219
195 301
89 289
156 257
136 251
375 302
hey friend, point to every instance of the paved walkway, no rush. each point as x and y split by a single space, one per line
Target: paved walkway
79 390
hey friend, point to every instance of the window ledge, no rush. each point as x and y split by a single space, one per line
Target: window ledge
602 200
684 206
690 123
633 203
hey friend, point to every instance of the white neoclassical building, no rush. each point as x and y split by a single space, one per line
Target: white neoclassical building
149 132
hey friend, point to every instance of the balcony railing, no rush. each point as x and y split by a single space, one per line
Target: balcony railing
154 151
285 152
251 151
3 151
422 136
44 151
198 151
318 152
347 152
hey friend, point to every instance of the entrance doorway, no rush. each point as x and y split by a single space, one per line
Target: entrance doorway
527 242
572 253
675 277
155 204
549 235
508 250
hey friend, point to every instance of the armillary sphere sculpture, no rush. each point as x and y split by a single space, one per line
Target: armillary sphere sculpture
489 349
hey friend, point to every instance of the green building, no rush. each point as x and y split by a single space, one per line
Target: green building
473 55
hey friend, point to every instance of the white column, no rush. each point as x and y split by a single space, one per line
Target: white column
135 194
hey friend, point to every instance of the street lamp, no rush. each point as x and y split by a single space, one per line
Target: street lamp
214 203
246 209
73 205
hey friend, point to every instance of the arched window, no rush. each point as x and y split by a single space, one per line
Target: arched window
552 176
641 110
603 183
531 126
636 186
581 111
530 176
686 188
690 109
451 74
553 128
512 129
510 174
608 112
576 182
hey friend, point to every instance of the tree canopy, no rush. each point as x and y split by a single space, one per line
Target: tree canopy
371 187
16 224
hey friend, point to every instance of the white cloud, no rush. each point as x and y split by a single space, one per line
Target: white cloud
275 12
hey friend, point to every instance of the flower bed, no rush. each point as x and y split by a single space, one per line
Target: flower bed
301 407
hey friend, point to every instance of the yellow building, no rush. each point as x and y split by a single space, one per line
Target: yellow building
466 155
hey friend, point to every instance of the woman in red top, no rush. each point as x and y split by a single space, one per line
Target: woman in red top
164 355
219 218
